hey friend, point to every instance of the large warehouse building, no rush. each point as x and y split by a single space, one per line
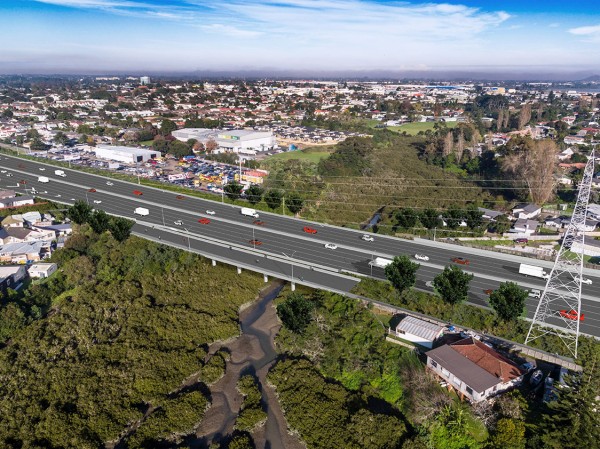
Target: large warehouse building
237 141
127 155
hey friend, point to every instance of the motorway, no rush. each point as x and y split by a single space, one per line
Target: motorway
282 240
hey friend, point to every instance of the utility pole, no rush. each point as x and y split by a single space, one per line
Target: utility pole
434 229
283 205
292 264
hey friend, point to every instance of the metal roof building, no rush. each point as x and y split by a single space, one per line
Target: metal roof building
418 331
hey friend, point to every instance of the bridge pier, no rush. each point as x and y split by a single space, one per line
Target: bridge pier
214 263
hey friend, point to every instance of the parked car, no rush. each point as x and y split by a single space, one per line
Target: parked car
571 315
330 246
421 257
204 221
137 192
367 238
309 230
521 240
460 260
587 281
210 212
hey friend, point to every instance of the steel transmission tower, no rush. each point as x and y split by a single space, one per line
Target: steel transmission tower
563 288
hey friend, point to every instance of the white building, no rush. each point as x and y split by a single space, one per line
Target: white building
144 80
125 154
42 270
235 141
417 331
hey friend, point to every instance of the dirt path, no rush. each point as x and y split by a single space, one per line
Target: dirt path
253 352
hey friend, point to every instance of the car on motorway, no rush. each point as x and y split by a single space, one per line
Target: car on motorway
429 284
421 257
367 238
92 190
210 212
535 293
204 221
2 171
57 196
489 291
330 246
9 175
178 222
309 230
583 280
137 192
571 315
521 240
97 201
460 260
42 169
258 223
255 242
180 197
108 183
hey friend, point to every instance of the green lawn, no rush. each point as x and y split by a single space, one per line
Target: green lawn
312 156
415 128
147 143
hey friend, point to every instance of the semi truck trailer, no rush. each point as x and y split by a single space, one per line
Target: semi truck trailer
248 212
532 270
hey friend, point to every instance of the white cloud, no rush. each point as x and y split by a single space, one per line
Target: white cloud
229 30
589 33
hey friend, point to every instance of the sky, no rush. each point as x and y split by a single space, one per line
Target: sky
107 36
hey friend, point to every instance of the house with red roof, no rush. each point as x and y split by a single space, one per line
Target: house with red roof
473 369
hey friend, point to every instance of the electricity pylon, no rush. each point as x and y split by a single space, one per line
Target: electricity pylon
563 288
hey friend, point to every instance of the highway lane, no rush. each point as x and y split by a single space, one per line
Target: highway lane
228 224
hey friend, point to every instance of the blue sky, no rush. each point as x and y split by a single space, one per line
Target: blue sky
60 36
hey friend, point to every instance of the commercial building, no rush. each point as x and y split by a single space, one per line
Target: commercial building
144 80
241 141
127 155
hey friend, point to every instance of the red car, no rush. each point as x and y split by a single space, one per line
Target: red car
179 197
258 223
309 230
489 291
92 190
255 242
460 260
22 181
571 315
521 240
137 192
204 221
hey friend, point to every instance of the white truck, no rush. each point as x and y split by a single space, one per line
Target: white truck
248 212
141 211
380 262
60 173
43 179
532 270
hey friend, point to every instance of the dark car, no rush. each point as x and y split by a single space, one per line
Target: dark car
309 230
460 260
521 240
180 197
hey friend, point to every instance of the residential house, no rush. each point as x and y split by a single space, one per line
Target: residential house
7 194
11 277
566 154
63 229
574 140
24 252
524 226
42 270
489 214
590 247
13 221
417 331
557 222
473 369
529 210
17 201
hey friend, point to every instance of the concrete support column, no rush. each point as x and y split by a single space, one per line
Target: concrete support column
214 263
266 278
239 270
293 286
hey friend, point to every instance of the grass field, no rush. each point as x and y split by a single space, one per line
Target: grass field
311 156
415 128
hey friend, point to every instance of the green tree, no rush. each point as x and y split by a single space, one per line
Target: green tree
501 225
254 194
294 203
79 212
295 312
454 217
120 228
273 198
233 190
167 127
38 145
407 218
402 273
452 284
99 221
60 138
430 218
178 149
473 217
508 301
508 434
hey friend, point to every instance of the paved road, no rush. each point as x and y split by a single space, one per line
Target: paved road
281 236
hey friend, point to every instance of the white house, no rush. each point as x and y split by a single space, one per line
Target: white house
566 154
473 369
417 331
527 210
42 270
523 226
